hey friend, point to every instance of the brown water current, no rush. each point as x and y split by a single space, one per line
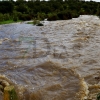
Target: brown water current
57 61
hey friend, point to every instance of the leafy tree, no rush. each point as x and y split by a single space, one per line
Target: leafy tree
53 9
6 7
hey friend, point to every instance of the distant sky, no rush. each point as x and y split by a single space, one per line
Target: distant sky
93 0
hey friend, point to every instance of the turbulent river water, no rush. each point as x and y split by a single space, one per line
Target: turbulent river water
57 61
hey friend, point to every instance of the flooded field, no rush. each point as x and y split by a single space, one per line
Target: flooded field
57 61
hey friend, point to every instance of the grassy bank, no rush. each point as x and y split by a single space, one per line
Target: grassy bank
9 22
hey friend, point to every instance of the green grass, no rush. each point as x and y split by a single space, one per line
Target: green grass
29 22
34 22
8 22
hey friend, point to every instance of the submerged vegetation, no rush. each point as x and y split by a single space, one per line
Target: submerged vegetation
12 11
35 22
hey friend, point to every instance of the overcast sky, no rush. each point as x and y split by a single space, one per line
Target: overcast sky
93 0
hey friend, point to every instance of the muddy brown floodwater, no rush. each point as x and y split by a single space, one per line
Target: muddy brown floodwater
57 61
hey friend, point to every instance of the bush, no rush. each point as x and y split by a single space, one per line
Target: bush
1 17
6 17
75 14
20 16
35 22
64 15
15 16
15 19
41 16
52 17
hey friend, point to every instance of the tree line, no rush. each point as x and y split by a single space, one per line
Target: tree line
51 9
